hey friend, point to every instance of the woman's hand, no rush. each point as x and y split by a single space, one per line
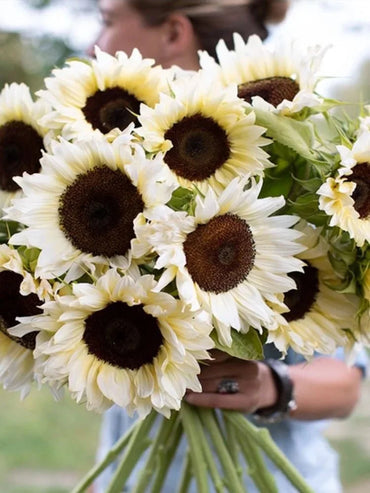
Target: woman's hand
256 387
323 388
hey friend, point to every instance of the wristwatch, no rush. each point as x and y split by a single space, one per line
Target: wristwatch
285 390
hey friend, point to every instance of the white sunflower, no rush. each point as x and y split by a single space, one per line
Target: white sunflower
18 299
319 319
281 79
345 198
231 259
118 341
101 97
80 209
207 134
22 138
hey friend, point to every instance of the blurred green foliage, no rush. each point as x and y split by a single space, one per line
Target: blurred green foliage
40 435
38 3
29 59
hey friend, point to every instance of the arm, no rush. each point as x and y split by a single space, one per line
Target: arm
324 387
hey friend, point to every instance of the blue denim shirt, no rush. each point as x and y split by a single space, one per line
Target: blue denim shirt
301 441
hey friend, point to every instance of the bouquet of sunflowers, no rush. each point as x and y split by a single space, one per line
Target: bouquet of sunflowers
150 215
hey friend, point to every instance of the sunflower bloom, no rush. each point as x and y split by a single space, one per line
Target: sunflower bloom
118 341
207 134
22 138
80 209
230 259
319 319
281 80
345 198
103 97
18 368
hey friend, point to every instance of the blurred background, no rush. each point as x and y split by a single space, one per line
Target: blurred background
45 447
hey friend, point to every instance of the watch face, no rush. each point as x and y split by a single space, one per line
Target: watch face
292 405
277 416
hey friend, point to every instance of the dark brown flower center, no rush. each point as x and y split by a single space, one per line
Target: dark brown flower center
20 150
361 194
272 89
124 336
220 254
97 211
112 108
300 300
13 305
200 147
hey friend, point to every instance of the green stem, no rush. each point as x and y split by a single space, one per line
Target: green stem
210 422
108 459
136 446
208 453
160 441
186 475
165 457
263 439
233 446
198 461
257 469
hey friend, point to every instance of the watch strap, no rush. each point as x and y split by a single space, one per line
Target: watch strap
285 393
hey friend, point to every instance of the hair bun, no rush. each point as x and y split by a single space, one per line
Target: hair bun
275 10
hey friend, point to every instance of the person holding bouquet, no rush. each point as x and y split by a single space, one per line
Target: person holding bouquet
294 397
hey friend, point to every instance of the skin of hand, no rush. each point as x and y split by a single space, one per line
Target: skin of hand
324 387
256 385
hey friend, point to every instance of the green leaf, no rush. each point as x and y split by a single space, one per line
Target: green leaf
147 268
310 185
7 229
306 207
29 257
327 105
351 288
364 307
244 346
274 187
342 247
346 128
182 200
348 285
291 133
279 179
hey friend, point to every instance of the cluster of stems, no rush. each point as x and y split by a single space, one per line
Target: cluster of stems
223 448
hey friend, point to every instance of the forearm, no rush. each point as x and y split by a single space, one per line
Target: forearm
325 388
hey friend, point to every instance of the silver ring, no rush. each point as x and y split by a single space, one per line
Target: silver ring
228 386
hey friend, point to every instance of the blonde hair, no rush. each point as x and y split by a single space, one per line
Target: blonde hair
212 19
